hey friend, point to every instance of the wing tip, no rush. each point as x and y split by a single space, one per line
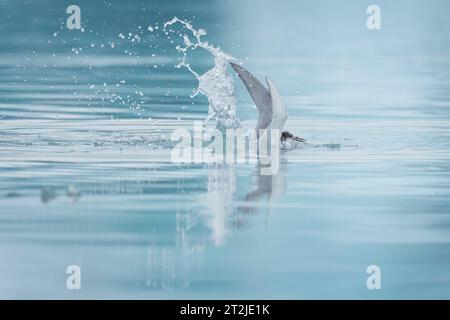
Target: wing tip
235 66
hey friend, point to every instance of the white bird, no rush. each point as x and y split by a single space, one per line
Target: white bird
272 112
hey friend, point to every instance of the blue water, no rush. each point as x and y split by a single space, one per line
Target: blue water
86 177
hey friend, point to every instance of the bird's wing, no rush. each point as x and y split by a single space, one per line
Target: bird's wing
260 95
279 109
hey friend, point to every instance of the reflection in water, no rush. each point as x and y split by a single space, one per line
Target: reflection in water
172 267
267 187
218 202
47 195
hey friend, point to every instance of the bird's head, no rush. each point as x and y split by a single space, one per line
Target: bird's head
286 135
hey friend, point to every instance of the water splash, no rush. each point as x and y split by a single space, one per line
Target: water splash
216 84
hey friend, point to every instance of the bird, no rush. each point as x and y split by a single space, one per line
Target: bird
272 112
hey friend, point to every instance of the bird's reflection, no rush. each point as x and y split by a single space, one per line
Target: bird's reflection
226 206
222 210
266 187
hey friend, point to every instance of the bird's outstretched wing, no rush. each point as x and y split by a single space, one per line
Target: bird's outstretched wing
279 109
260 95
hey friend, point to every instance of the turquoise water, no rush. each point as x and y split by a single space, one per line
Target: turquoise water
86 176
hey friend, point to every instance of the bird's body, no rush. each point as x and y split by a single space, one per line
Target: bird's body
272 112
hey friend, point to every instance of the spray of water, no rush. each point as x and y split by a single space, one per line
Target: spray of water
216 84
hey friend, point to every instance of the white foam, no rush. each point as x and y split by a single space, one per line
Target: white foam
216 84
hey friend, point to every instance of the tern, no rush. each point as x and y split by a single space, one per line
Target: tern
272 112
